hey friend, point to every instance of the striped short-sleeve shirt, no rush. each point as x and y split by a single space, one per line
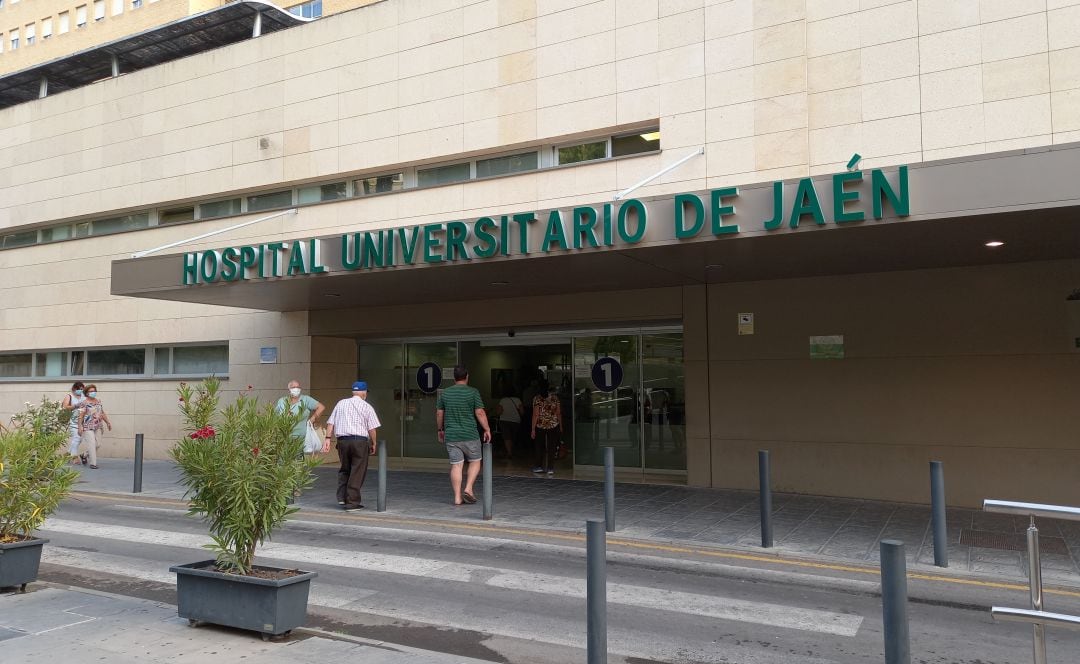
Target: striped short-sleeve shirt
459 404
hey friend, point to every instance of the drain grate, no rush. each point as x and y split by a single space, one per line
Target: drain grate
986 539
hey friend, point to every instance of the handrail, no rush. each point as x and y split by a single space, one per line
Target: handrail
1032 509
1035 617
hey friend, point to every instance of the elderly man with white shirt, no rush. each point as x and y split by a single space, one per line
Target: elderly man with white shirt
354 422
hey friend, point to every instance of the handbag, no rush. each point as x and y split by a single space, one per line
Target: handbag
562 450
312 440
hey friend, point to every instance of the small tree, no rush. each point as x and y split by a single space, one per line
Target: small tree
240 466
34 475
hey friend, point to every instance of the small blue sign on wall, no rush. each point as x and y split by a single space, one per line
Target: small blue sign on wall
428 377
607 374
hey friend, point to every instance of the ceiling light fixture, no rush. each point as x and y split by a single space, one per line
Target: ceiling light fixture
994 244
332 295
651 136
500 283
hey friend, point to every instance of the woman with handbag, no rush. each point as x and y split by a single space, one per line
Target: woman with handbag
546 428
92 423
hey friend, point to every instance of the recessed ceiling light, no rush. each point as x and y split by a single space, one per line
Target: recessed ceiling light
993 244
500 283
333 295
651 136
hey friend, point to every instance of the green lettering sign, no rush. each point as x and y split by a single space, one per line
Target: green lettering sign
681 230
719 211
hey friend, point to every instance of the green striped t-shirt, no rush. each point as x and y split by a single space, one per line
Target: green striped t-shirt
459 404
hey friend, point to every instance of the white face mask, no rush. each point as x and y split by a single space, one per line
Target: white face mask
295 391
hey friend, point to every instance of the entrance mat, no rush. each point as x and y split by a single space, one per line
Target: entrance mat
986 539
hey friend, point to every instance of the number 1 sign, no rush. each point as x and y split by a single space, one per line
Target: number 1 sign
607 374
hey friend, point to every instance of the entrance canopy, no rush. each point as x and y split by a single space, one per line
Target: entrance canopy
928 215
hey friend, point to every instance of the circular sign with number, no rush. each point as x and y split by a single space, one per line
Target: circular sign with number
428 377
607 374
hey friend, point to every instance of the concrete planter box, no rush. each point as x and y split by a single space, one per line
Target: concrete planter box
19 562
268 606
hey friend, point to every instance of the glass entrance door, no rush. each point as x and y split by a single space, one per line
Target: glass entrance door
607 419
420 436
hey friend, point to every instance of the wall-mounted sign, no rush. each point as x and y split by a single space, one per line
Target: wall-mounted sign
428 377
845 199
607 374
828 347
746 324
268 355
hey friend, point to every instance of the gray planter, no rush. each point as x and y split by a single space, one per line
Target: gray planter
268 606
19 562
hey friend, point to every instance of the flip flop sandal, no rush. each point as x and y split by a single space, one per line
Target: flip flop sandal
468 497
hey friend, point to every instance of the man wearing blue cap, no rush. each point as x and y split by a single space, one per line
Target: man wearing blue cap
354 421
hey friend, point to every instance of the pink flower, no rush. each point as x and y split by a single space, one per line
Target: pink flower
255 451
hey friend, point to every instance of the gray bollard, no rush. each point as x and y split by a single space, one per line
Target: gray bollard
138 463
937 503
609 488
487 481
596 590
380 504
765 492
894 602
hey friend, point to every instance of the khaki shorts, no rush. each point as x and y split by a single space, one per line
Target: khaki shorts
464 450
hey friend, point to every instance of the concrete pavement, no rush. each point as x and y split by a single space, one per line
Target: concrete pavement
832 529
76 626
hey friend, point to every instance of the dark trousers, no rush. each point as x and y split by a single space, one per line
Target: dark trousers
547 442
353 452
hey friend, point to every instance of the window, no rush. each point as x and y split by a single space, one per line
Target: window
191 360
117 7
135 4
269 201
177 215
31 33
99 10
1 41
16 365
80 16
119 362
429 177
18 239
634 143
65 22
219 208
49 365
379 184
321 192
128 222
46 28
312 9
573 154
14 39
82 229
55 233
503 165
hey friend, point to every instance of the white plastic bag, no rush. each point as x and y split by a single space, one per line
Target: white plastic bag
312 440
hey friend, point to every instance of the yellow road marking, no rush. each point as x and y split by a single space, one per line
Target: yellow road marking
615 541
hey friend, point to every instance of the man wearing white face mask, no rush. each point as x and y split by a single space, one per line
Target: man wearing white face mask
298 403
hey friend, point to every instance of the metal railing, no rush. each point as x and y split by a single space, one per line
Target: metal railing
1036 616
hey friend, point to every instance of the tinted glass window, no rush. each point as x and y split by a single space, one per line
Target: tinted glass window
503 165
430 177
572 154
276 199
634 143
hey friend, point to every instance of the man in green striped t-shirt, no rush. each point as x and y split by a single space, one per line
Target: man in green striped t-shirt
458 410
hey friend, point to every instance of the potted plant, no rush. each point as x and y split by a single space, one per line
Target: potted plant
34 478
240 467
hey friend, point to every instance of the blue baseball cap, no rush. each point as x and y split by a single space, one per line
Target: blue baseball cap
359 386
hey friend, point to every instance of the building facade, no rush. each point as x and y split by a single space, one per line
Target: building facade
858 253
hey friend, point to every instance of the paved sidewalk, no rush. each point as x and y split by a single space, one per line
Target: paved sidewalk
830 528
53 624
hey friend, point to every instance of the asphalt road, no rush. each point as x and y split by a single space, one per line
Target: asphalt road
520 597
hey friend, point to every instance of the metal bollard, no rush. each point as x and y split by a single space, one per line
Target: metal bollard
937 503
894 602
609 488
765 492
487 481
1035 581
380 503
596 590
138 463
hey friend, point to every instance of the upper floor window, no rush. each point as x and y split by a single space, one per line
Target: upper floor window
635 143
269 200
379 184
175 215
31 34
80 16
117 7
429 177
219 208
205 359
46 28
311 9
99 10
515 163
65 22
572 154
14 39
321 192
